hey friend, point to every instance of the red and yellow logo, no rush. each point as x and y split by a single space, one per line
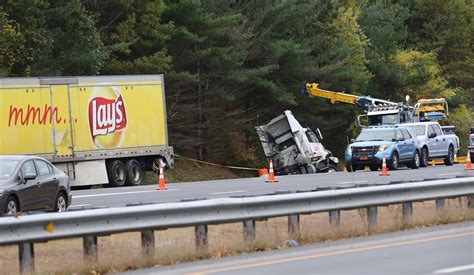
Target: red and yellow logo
107 117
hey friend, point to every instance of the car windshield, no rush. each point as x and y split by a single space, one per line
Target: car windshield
374 135
418 129
7 167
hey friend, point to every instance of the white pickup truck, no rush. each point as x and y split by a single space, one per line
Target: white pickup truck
434 144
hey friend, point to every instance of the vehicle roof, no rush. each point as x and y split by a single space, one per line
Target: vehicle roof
419 123
17 157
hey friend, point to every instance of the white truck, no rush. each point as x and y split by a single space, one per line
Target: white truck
471 144
294 148
434 144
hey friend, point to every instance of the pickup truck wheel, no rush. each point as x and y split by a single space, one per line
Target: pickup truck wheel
116 173
449 160
415 163
133 172
392 164
424 159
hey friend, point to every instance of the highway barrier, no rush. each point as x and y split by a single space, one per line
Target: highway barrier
25 230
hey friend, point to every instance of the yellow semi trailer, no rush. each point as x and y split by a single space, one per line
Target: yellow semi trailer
97 129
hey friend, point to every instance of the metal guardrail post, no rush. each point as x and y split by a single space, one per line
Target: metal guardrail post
372 217
26 253
440 204
335 218
249 230
470 201
90 248
407 210
294 225
201 237
148 242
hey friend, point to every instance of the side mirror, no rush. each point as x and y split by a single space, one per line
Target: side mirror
352 140
30 176
401 139
432 135
320 136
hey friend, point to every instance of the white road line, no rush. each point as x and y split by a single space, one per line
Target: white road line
79 205
454 269
116 194
356 181
228 192
449 174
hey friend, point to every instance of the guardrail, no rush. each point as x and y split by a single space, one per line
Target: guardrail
88 224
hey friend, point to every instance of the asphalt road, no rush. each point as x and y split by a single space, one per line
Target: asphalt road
447 249
113 197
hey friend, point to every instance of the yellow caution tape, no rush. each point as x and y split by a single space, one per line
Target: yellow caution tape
219 165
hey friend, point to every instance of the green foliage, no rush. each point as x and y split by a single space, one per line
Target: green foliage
463 119
232 65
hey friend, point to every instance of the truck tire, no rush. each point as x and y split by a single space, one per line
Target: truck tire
424 158
415 163
133 172
116 173
311 169
449 160
392 164
303 170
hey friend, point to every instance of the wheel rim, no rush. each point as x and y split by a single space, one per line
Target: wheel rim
451 155
425 157
61 204
135 173
395 161
119 174
11 207
417 160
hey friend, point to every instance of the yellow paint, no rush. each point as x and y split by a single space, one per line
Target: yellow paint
30 126
334 253
334 97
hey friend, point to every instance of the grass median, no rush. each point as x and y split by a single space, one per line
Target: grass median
122 252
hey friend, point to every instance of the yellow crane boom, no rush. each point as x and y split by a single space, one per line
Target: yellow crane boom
334 97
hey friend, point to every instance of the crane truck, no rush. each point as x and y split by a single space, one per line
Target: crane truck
96 129
293 148
385 112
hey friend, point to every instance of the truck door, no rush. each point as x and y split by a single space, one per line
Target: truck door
442 141
432 142
61 130
403 147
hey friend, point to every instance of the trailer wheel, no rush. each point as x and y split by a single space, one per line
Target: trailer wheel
133 172
116 173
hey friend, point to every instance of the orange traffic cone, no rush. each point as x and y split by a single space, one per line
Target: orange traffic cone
384 168
271 174
161 180
468 162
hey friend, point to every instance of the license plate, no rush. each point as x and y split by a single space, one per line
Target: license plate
364 158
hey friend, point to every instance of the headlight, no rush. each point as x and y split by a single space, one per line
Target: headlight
349 149
383 147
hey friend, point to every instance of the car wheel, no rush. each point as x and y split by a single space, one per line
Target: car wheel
374 167
332 168
11 207
415 163
133 172
116 173
449 160
61 203
424 157
393 162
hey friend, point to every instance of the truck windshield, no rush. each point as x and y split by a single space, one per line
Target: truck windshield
380 134
418 129
311 137
7 167
386 119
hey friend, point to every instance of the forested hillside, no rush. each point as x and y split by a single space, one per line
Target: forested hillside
231 65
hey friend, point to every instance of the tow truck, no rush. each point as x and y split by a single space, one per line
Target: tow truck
384 112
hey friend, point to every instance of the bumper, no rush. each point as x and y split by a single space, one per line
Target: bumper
366 159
